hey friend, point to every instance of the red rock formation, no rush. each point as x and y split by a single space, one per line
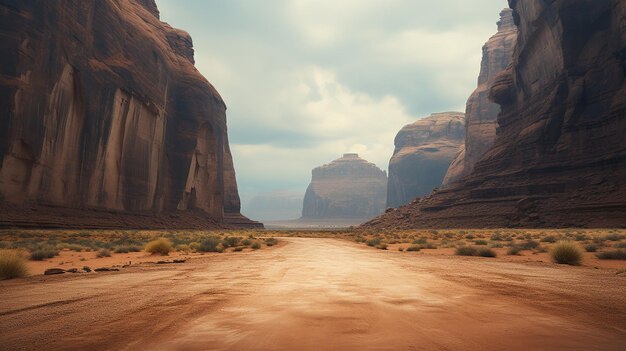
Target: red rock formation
349 187
481 113
559 158
423 153
105 119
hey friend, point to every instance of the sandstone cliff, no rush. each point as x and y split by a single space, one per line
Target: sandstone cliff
559 157
423 153
349 187
105 120
481 113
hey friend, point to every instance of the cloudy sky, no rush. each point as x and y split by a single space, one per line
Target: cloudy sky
307 80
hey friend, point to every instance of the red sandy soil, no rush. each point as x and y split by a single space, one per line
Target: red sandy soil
320 294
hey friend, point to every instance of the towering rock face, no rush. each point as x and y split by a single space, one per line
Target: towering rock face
102 111
481 113
349 187
423 153
559 158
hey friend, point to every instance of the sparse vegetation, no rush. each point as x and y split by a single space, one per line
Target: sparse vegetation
465 251
103 253
271 241
612 255
162 246
256 245
44 252
566 252
591 247
12 264
486 252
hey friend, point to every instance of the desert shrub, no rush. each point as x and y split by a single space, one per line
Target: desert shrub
497 236
162 246
382 246
480 242
271 241
566 252
612 255
496 245
580 237
103 253
246 242
256 245
413 248
210 244
74 247
465 251
469 237
529 244
400 249
360 239
127 249
183 248
613 237
238 249
540 249
230 241
43 252
429 246
620 246
514 250
591 247
12 264
421 240
486 252
549 239
373 242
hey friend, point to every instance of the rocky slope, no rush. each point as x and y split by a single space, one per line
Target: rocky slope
559 158
423 153
106 122
481 113
349 187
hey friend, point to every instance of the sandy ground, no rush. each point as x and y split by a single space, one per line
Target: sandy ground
320 294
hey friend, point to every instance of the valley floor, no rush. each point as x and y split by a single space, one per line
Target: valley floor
320 294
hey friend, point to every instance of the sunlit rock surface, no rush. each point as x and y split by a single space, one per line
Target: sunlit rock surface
349 187
105 121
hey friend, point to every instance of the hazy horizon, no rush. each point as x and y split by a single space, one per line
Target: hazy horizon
343 77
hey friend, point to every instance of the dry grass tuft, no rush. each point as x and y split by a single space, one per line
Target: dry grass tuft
162 246
566 252
12 264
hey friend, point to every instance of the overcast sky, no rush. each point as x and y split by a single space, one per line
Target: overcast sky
307 80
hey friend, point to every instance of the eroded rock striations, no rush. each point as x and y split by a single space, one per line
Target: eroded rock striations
349 187
559 158
481 113
423 153
105 122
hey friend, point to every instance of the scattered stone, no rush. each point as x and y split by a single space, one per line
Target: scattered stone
180 261
72 270
86 269
106 269
52 271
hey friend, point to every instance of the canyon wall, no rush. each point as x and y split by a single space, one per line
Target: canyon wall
105 121
349 187
481 113
423 153
559 157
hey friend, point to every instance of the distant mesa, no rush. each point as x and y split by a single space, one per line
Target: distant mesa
423 153
275 206
349 187
481 113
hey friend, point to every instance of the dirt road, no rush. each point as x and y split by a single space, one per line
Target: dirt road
320 294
